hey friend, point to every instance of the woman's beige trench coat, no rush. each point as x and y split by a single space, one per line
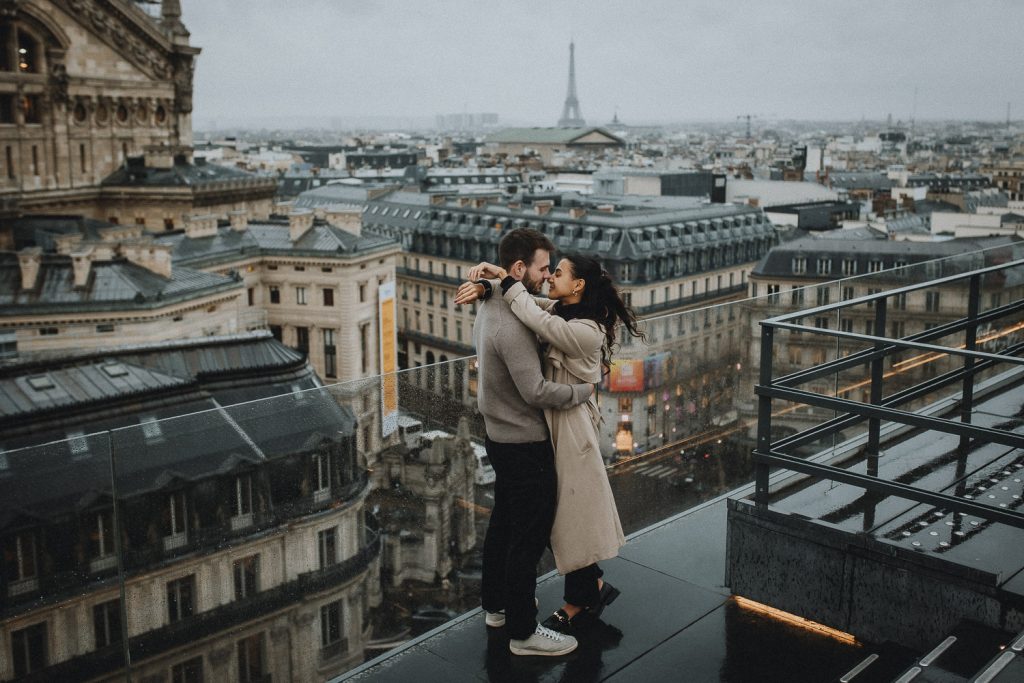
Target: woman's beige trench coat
586 528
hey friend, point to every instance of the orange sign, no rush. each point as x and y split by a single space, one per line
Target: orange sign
388 358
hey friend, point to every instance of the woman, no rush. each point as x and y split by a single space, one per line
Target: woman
576 326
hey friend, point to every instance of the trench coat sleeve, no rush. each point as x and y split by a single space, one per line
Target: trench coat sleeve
574 340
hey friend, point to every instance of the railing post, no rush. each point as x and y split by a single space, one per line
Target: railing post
877 371
970 344
764 416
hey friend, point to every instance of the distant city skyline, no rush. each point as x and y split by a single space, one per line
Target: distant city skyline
666 61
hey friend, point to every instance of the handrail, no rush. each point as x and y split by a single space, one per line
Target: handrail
771 453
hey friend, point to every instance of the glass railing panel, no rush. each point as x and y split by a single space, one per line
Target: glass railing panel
59 591
247 529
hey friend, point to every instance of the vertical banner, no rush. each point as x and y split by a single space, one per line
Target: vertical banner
388 358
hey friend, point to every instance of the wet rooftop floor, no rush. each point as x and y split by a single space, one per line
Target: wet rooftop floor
677 621
675 615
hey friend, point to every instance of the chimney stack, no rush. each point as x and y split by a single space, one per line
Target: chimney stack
239 220
30 259
67 243
437 199
81 262
607 208
543 206
349 220
299 221
155 258
197 227
577 212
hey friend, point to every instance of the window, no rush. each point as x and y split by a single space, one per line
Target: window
174 521
821 323
181 598
824 266
869 327
900 301
322 467
897 329
249 293
847 293
799 265
247 571
300 268
823 296
302 339
871 292
330 625
328 548
7 108
874 266
243 502
101 541
849 266
796 296
250 659
32 113
275 332
300 296
106 623
328 297
362 292
931 302
275 295
330 355
190 671
28 649
846 325
458 330
773 294
25 566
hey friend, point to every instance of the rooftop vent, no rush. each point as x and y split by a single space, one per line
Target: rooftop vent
41 382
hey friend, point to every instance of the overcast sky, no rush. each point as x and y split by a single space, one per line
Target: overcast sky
653 60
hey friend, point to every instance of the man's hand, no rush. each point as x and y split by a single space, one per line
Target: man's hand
468 293
487 270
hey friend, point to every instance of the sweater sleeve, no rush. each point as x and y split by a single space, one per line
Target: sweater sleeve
524 367
574 340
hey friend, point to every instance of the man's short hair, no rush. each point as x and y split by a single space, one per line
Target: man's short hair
520 245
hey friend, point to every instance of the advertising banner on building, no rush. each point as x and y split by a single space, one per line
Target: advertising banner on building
386 314
626 375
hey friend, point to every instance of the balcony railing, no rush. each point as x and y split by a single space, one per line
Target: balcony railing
893 406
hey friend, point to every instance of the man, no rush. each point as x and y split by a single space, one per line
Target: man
512 395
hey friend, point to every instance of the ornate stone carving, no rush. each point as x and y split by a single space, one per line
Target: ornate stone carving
184 66
58 83
119 32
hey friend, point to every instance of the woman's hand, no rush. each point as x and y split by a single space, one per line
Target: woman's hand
487 270
468 293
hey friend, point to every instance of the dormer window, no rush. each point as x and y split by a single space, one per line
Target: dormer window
243 502
799 265
174 521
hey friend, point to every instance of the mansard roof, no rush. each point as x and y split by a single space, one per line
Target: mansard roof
636 228
181 174
193 387
111 286
863 250
271 238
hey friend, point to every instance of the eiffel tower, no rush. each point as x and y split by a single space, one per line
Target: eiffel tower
571 117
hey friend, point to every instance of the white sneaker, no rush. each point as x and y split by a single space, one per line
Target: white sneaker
543 642
497 619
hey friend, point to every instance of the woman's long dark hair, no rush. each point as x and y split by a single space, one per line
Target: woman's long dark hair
602 303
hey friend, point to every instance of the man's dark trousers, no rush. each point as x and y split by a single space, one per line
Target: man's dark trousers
525 488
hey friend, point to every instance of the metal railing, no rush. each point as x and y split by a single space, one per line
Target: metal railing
891 408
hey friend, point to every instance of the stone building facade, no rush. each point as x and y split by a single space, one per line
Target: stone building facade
240 532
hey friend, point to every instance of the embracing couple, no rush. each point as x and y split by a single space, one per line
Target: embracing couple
541 418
